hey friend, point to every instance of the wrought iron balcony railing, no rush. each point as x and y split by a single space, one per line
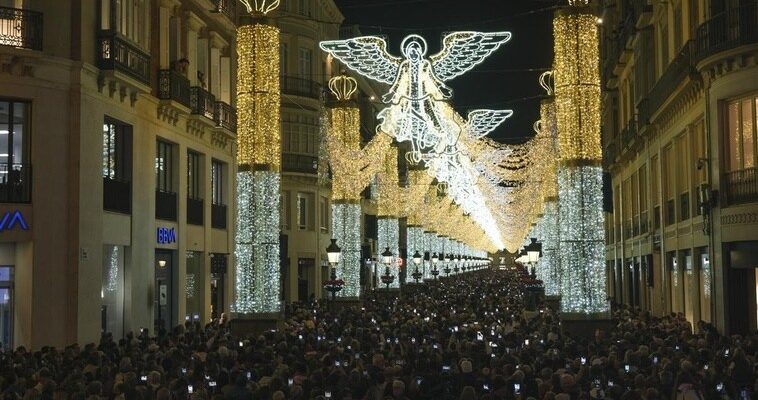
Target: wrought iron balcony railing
194 211
173 85
165 205
202 102
727 30
741 186
116 53
679 69
20 28
226 7
299 163
225 116
117 195
300 87
218 216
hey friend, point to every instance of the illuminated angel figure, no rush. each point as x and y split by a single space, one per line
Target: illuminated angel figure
418 109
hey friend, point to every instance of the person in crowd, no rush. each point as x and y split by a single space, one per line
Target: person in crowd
468 337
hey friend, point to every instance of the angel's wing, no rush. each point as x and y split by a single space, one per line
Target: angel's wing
462 51
482 122
366 55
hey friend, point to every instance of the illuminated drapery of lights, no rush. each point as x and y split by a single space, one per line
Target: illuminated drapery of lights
389 237
346 228
259 157
257 238
577 96
415 242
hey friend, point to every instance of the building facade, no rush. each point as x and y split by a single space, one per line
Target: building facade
680 103
117 170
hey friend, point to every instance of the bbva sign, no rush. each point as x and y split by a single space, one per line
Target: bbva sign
11 219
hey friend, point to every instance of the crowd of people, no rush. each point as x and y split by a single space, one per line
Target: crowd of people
467 337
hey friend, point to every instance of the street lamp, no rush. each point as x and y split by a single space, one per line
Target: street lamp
435 259
387 278
417 261
533 253
457 262
447 264
333 255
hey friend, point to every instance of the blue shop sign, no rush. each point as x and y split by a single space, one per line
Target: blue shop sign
166 235
12 219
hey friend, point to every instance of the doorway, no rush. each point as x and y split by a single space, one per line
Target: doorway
164 304
6 307
305 267
218 284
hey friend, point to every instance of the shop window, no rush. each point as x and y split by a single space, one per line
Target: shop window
194 285
117 166
112 291
6 307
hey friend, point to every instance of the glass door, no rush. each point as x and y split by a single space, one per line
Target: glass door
6 307
164 293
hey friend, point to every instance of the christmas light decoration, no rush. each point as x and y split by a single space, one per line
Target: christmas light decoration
257 264
577 97
418 111
353 169
346 228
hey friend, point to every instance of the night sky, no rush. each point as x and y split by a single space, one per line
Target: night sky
507 80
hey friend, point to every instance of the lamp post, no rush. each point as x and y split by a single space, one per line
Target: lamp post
533 252
447 265
387 278
333 255
435 271
417 261
457 262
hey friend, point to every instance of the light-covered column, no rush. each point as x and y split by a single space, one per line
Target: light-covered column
258 285
577 97
388 208
352 170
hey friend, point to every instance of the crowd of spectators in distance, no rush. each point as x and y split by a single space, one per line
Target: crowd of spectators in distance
467 337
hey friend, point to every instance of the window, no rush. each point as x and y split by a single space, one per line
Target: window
193 175
664 47
117 166
700 170
694 17
305 8
669 191
164 162
283 52
129 18
302 211
741 133
117 149
305 63
217 182
678 30
15 176
284 209
683 168
324 217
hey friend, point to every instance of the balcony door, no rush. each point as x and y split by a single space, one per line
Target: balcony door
15 171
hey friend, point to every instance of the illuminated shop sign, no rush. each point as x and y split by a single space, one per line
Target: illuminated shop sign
13 219
166 235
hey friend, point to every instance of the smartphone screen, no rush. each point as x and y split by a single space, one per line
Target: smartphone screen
517 388
189 389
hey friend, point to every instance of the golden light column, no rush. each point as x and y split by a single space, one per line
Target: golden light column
257 279
352 171
577 97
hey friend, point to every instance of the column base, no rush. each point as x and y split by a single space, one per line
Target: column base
246 325
585 325
553 302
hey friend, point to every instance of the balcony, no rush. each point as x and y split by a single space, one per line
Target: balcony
165 205
218 216
727 30
115 53
629 133
226 7
741 186
194 211
15 183
174 86
611 152
299 163
225 116
202 102
20 28
679 69
644 224
300 87
117 195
